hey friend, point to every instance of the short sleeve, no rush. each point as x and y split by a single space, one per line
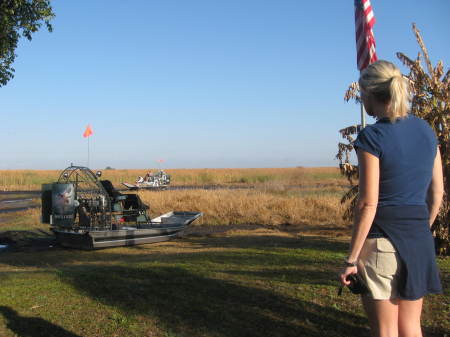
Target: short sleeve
434 140
368 140
429 132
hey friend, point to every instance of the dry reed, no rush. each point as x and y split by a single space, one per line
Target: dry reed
298 176
225 207
295 207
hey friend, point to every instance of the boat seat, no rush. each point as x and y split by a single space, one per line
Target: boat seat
134 202
112 192
130 201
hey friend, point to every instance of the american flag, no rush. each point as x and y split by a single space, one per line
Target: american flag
365 41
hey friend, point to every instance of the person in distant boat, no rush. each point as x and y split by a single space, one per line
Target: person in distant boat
148 177
400 193
139 180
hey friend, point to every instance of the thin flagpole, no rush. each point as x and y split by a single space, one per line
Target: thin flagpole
363 116
87 134
88 153
363 111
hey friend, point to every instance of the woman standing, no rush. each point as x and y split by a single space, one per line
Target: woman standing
400 192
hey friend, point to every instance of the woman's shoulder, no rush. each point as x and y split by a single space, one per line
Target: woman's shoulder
415 120
410 122
373 133
369 140
421 124
373 130
383 128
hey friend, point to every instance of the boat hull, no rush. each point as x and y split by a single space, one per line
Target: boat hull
162 228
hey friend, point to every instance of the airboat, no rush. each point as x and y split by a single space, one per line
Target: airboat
85 212
152 181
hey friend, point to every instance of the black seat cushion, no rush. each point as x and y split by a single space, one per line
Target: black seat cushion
108 186
134 202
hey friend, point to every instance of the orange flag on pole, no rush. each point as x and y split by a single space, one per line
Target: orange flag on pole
88 132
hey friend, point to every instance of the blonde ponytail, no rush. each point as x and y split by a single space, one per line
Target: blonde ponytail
385 82
398 106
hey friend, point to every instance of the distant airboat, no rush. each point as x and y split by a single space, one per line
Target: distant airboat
151 181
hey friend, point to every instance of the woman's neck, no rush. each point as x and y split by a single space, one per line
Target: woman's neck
380 110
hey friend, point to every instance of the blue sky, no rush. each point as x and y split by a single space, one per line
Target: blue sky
198 83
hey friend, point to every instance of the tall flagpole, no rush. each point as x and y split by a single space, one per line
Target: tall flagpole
88 153
87 133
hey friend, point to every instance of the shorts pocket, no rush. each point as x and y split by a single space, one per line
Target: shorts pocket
386 256
385 245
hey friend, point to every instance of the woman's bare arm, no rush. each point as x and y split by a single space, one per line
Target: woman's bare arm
436 189
369 178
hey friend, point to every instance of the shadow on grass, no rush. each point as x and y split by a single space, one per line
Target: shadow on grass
304 260
32 326
253 267
265 244
319 243
291 275
189 304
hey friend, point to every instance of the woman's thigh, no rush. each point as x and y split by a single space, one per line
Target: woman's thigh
383 316
391 318
409 313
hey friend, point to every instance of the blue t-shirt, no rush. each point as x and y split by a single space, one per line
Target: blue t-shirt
406 150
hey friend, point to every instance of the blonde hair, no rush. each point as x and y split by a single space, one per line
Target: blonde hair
384 81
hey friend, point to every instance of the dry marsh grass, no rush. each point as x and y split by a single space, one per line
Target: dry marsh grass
26 179
297 176
293 207
255 206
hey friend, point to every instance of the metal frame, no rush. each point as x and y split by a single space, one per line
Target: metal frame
87 186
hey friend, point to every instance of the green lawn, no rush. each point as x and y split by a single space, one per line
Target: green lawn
248 281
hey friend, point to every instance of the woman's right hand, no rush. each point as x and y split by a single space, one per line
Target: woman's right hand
347 271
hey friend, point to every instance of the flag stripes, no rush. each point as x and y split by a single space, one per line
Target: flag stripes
365 40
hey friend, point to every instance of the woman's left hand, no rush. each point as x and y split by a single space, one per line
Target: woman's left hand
347 271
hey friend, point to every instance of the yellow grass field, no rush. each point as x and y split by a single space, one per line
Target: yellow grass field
309 207
270 196
298 176
260 206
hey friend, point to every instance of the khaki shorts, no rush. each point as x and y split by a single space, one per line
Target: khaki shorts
379 265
